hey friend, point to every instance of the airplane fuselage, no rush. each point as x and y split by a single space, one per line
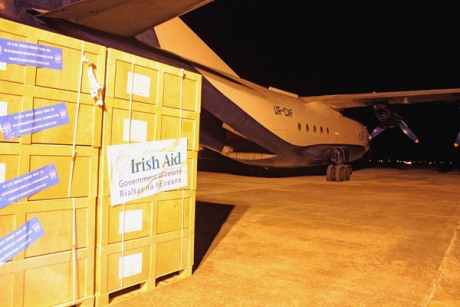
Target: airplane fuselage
293 133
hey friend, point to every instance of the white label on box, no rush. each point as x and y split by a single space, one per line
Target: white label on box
138 85
2 65
129 265
2 172
138 131
130 221
3 110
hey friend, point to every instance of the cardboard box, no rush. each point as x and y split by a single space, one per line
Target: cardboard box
180 124
65 279
85 118
145 217
181 89
17 160
83 130
62 220
137 216
174 211
174 253
133 122
133 78
124 264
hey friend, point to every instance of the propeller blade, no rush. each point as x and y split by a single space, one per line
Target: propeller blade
457 140
407 130
377 131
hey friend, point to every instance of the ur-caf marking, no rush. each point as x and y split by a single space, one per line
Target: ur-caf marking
282 111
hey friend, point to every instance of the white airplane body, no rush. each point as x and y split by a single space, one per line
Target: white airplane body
239 119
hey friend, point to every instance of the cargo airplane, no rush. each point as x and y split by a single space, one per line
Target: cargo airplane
243 121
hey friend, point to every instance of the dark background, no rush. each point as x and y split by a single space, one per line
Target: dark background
330 48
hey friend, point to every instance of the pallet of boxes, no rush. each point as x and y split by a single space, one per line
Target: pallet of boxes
98 167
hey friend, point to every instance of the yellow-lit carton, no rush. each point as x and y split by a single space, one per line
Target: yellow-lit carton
77 174
68 223
64 279
145 217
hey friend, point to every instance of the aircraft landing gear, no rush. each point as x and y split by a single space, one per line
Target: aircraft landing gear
341 172
338 170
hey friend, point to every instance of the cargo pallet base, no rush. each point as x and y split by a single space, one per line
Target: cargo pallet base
126 293
88 302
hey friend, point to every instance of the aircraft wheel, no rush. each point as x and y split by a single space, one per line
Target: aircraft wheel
330 172
348 171
340 172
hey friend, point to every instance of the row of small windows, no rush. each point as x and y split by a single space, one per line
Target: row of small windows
307 128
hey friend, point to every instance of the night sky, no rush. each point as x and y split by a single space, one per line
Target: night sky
335 48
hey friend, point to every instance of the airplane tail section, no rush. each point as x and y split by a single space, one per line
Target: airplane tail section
175 36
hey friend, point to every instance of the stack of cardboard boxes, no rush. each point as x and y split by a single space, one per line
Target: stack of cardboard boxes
90 249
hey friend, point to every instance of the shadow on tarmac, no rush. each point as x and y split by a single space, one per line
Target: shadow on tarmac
209 161
209 219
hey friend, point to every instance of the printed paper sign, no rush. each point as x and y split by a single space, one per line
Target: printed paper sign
143 169
29 54
17 241
28 122
28 184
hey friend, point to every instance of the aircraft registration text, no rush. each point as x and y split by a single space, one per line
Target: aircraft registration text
282 111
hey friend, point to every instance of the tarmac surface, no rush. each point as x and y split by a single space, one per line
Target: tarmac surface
387 237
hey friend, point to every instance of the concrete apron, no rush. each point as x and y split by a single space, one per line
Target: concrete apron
387 237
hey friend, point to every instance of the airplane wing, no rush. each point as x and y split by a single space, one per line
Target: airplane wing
342 101
381 104
123 17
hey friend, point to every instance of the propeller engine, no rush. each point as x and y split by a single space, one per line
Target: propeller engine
389 118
